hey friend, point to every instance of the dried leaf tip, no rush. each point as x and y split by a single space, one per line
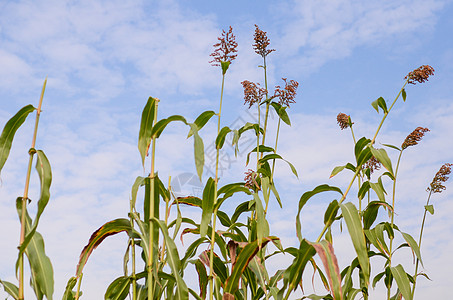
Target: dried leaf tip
420 74
261 42
225 49
286 94
252 93
344 121
436 186
413 138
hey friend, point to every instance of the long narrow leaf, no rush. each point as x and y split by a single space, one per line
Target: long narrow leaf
329 260
108 229
402 281
182 292
118 289
146 126
11 289
352 219
207 206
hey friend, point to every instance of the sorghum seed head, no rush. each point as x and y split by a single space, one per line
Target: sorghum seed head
343 121
286 94
252 92
250 180
261 42
225 49
413 138
436 186
373 164
420 74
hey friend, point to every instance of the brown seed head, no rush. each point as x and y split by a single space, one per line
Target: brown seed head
225 49
413 138
250 180
286 94
373 164
436 186
343 121
252 93
420 74
261 42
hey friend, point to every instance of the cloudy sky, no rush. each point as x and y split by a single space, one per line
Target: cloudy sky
104 59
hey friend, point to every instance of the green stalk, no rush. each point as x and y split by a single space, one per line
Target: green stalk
151 213
211 255
77 295
393 216
267 101
31 152
132 241
420 243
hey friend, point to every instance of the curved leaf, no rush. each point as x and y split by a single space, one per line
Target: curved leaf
118 289
6 139
201 120
402 281
207 206
108 229
281 112
276 156
159 127
11 289
220 140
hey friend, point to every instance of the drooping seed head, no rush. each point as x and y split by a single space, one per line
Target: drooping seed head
420 74
373 164
413 138
344 121
251 180
437 185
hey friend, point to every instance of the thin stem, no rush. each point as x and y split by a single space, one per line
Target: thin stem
77 295
211 255
267 101
132 241
151 212
420 243
25 197
393 216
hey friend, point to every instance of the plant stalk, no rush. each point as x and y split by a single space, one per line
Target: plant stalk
31 152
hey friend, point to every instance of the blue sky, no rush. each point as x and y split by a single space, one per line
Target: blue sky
104 59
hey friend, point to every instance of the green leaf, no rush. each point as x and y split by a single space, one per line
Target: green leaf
402 281
6 139
381 155
40 265
202 278
281 112
220 140
305 252
413 244
207 206
190 200
359 146
146 126
159 127
352 219
392 146
430 209
118 289
262 226
403 94
331 212
201 120
276 156
371 211
198 148
173 261
380 102
305 197
11 289
108 229
225 65
329 260
139 181
242 261
45 178
68 293
262 149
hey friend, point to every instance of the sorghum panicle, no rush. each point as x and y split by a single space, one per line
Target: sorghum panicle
225 49
343 121
436 186
420 74
261 42
413 138
252 92
250 180
373 164
286 94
